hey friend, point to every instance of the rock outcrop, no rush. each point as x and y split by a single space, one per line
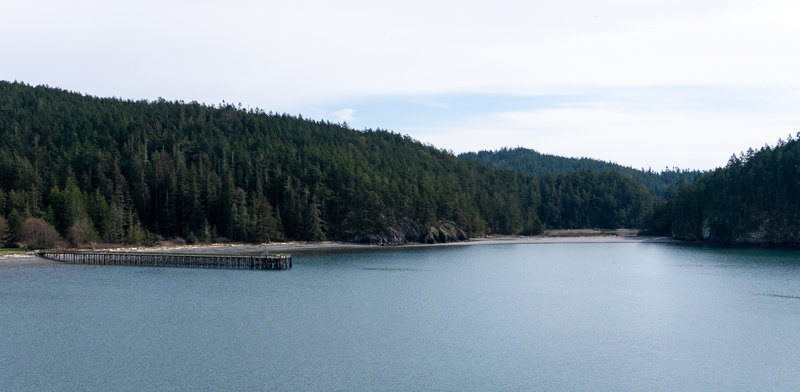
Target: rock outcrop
444 231
408 231
762 234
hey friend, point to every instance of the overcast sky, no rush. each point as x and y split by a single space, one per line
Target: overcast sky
644 83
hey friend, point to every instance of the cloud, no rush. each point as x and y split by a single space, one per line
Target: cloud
259 53
641 137
315 56
344 115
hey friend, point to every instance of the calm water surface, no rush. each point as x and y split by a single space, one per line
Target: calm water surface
585 317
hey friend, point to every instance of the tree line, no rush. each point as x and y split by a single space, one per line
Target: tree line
529 161
755 198
123 171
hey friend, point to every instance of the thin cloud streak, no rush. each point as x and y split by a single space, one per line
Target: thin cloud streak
345 115
641 139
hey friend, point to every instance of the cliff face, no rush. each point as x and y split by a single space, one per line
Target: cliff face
761 233
768 234
444 231
410 232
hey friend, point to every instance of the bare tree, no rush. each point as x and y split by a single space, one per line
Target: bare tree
77 237
3 230
36 233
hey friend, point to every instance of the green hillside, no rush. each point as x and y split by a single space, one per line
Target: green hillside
532 162
111 170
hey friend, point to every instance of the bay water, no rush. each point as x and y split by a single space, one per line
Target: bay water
512 317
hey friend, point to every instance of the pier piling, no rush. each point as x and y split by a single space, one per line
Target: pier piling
273 261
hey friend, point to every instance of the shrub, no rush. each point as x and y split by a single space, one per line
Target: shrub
3 230
77 237
36 233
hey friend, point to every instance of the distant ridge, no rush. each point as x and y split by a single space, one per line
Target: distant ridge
529 161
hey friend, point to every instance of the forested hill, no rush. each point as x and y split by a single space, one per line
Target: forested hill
110 170
532 162
754 199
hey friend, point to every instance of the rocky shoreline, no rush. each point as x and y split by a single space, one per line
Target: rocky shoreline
576 237
408 232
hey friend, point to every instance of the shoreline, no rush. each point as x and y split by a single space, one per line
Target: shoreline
582 237
20 259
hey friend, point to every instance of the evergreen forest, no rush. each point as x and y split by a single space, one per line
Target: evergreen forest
532 162
86 170
754 199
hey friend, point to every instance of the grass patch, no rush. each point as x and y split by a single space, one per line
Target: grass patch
12 250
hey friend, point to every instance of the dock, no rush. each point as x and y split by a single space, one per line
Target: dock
149 259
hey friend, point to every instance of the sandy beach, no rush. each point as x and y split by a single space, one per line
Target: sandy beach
18 259
551 237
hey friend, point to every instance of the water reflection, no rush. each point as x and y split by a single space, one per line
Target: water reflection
500 317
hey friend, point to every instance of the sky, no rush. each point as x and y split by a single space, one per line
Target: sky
644 83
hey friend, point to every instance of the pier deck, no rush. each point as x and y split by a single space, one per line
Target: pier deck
150 259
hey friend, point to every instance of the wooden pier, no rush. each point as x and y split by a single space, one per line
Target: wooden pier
277 261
